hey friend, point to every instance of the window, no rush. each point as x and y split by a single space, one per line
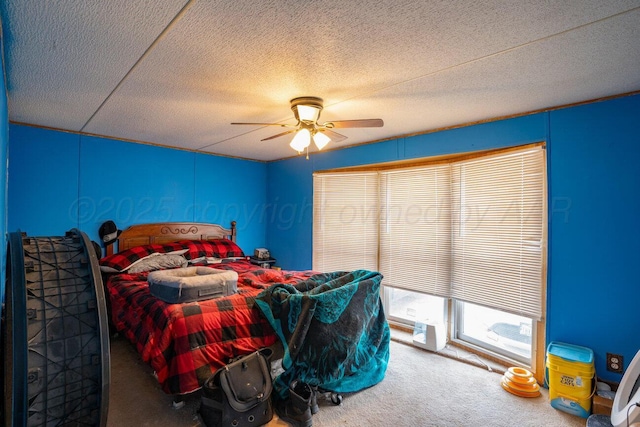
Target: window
503 333
497 228
345 222
468 229
415 229
407 307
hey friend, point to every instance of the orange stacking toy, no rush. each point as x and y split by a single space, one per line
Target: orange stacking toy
520 382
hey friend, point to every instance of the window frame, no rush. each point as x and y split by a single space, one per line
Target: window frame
538 325
504 355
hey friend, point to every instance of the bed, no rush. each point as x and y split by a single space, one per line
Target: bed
186 343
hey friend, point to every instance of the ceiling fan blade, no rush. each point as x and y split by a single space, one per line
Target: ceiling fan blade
267 124
362 123
279 135
335 136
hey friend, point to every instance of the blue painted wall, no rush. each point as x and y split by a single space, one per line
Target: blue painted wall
43 181
593 288
4 148
59 180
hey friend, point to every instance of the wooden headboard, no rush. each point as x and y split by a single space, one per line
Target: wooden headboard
165 232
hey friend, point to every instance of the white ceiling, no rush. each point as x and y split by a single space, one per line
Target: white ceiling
177 73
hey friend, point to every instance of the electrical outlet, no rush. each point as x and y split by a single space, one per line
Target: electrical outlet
614 362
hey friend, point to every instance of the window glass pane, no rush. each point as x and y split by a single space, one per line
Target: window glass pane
407 306
505 333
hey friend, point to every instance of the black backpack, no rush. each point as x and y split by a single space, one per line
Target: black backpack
239 394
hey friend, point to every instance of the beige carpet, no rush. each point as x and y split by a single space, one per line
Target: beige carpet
420 389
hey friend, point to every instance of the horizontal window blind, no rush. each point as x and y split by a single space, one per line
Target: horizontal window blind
415 229
345 221
497 223
472 230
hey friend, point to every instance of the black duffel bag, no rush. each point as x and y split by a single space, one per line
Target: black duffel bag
239 394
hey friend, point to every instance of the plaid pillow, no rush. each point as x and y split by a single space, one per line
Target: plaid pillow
218 248
123 260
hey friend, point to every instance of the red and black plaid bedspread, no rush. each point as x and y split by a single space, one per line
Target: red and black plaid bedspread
186 343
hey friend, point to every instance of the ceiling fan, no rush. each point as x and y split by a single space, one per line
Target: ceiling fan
307 110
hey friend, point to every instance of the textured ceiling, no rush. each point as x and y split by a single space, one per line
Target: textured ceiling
177 73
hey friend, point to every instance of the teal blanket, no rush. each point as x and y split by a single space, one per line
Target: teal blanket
333 330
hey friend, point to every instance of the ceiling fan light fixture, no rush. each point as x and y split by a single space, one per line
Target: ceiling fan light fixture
306 110
301 140
308 113
321 140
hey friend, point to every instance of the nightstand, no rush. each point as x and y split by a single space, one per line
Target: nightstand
264 263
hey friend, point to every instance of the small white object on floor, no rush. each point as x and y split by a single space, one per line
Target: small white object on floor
178 405
430 335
